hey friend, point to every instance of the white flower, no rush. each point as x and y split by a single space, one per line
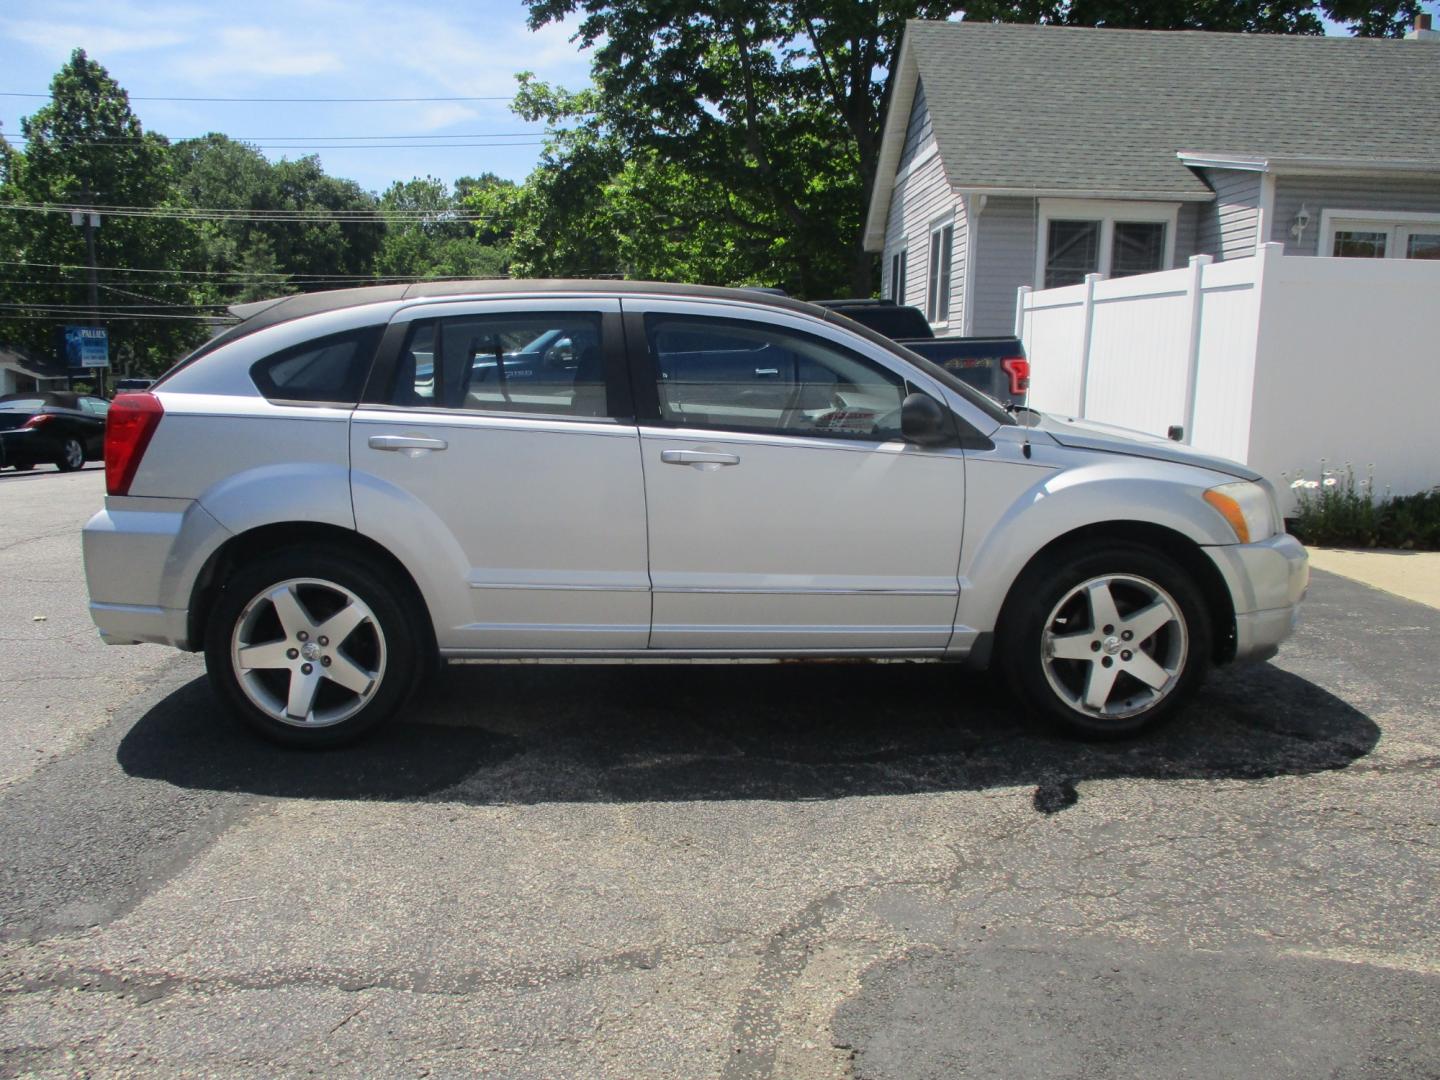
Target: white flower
1312 484
1330 481
1298 483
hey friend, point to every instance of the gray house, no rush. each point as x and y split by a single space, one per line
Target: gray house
1034 155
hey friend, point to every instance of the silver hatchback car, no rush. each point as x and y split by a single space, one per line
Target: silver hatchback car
348 487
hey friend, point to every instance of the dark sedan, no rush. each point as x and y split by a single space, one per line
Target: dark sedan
64 430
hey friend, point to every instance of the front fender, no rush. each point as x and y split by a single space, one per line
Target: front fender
1015 510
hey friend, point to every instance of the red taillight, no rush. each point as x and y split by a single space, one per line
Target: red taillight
131 421
38 419
1018 368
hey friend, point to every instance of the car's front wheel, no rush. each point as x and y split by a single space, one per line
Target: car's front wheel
313 650
1106 640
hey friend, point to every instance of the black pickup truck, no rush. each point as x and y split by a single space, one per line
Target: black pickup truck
996 365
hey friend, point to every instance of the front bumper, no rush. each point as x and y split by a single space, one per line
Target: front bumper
1267 581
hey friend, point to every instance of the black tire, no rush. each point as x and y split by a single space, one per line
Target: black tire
72 456
1135 578
396 664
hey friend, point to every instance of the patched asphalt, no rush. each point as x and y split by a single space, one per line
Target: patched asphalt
738 871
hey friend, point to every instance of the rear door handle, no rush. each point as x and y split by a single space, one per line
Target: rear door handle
698 458
410 445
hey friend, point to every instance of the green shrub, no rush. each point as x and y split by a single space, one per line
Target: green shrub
1338 511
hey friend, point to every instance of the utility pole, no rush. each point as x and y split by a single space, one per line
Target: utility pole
89 221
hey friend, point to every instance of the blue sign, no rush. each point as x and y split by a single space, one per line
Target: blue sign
87 346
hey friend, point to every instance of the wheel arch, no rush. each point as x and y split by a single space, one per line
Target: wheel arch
1175 545
267 539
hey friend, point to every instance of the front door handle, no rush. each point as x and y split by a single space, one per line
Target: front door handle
701 459
409 445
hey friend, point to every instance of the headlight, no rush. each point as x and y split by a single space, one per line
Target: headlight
1248 508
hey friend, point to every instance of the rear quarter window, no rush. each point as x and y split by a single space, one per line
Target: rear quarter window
329 370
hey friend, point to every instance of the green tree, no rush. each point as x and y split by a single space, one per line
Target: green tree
433 237
257 256
778 106
589 209
217 171
86 147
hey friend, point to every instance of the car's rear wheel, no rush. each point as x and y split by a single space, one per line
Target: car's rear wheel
313 650
1105 640
72 456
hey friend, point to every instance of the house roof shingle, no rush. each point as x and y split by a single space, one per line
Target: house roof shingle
1039 107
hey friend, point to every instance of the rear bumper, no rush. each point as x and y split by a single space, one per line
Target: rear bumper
1267 581
142 558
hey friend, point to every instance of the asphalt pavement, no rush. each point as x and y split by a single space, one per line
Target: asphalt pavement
708 870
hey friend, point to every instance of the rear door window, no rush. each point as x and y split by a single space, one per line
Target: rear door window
547 363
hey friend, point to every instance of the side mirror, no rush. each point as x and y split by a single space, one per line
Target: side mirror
923 421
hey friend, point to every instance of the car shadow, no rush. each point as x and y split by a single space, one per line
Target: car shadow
528 733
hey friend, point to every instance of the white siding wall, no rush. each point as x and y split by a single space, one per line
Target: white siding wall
919 201
1318 193
1187 231
921 198
1227 226
1005 260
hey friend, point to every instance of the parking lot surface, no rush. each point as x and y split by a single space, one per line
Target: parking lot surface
713 870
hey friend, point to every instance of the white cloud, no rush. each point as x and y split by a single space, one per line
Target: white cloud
255 50
57 39
441 114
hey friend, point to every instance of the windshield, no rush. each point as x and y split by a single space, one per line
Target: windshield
21 405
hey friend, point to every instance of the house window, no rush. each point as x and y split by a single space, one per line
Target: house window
1080 237
1073 251
942 246
1352 234
897 276
1138 248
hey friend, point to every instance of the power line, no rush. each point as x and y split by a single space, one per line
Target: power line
216 319
281 100
301 138
246 275
339 146
105 307
312 216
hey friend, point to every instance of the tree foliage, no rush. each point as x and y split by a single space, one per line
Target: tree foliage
443 243
85 146
772 111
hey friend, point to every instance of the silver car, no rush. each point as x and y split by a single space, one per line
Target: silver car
348 487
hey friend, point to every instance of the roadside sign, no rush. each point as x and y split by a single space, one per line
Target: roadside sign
87 346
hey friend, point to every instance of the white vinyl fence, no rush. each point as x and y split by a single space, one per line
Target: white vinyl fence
1277 361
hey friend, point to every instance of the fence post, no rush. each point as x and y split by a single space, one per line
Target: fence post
1022 299
1090 280
1195 293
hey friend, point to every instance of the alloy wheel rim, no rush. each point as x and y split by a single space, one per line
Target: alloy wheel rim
308 652
74 454
1114 646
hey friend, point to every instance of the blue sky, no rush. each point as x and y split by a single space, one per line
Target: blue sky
306 48
310 48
